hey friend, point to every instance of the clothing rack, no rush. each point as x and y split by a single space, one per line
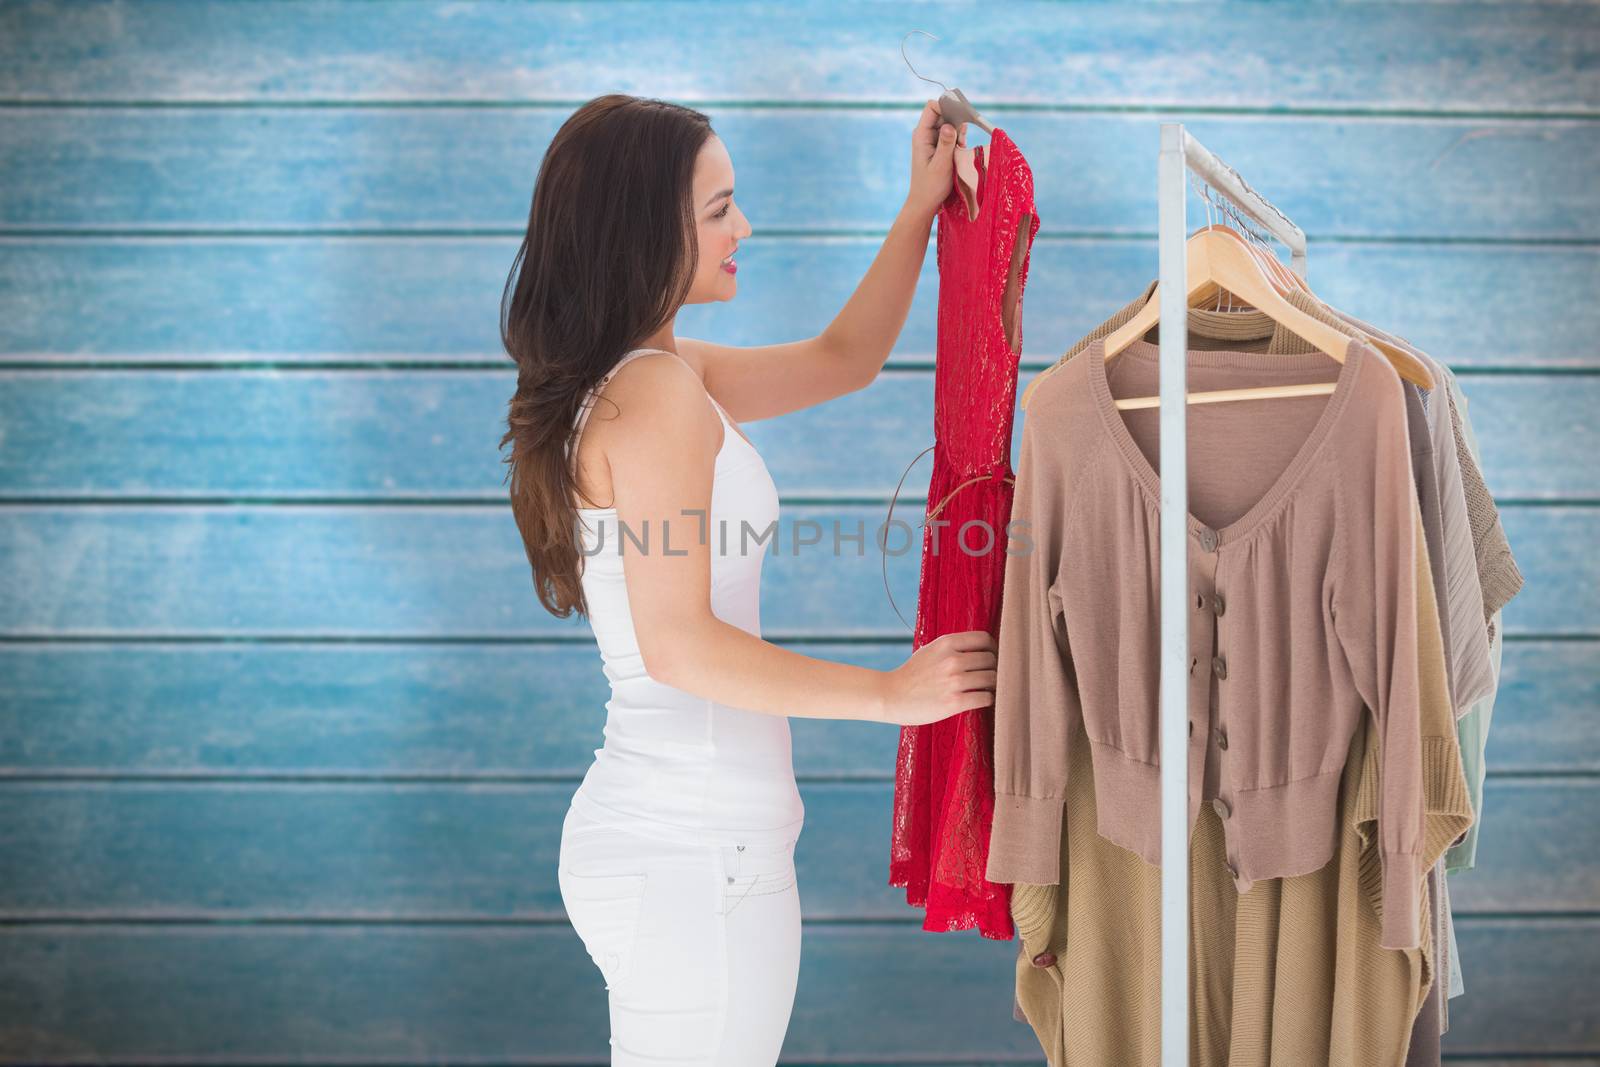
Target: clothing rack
1180 153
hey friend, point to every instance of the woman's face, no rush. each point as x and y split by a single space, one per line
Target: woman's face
720 223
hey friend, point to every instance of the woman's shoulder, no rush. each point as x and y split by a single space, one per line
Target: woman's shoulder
650 411
659 399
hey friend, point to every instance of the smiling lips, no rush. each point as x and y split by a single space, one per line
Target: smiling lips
730 266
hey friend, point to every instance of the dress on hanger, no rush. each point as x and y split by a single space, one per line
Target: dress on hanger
944 780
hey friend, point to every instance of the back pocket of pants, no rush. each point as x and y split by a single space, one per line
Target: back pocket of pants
604 909
755 872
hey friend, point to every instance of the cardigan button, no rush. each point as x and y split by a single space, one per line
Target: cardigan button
1222 739
1045 959
1217 603
1221 807
1219 665
1208 539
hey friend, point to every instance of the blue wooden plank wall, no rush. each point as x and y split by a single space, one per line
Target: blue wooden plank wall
285 739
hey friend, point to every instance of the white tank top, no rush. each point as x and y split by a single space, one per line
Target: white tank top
675 764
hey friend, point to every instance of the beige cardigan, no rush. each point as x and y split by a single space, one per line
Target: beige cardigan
1308 556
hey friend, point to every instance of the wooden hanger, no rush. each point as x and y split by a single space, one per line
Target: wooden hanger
1235 261
1220 258
1280 277
1217 260
1283 277
1404 363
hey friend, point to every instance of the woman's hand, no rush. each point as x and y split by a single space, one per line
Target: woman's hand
932 161
946 676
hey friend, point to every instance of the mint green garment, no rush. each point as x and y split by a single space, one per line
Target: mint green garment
1472 729
1457 985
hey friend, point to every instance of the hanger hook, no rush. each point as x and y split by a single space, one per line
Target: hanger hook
930 81
1209 222
1203 189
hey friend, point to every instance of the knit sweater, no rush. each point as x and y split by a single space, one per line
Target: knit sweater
1306 540
1498 574
1290 974
1251 330
1465 630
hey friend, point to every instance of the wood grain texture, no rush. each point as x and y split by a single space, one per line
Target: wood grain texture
394 435
460 572
494 992
527 993
285 738
397 298
464 850
216 708
411 169
1455 57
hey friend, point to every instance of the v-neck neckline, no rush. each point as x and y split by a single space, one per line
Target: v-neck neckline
980 163
983 163
1356 353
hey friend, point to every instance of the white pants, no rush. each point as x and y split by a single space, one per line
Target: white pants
699 946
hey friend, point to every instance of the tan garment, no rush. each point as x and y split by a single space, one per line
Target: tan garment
1251 330
1289 974
1300 529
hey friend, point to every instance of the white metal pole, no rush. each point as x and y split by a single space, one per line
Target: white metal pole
1172 232
1227 181
1180 153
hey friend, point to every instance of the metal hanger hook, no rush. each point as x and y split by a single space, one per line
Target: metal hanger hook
1204 191
1205 195
913 70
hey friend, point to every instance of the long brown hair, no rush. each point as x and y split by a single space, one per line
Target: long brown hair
608 258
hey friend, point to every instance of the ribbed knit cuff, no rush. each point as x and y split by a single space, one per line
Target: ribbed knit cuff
1033 911
1025 840
1447 811
1402 881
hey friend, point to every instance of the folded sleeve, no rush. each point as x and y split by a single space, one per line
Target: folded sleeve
1035 690
1375 614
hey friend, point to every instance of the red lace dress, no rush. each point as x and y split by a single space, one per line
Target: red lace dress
944 779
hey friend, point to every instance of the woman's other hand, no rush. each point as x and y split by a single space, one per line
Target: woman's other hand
946 676
932 160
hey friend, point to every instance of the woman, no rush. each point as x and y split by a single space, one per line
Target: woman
677 854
